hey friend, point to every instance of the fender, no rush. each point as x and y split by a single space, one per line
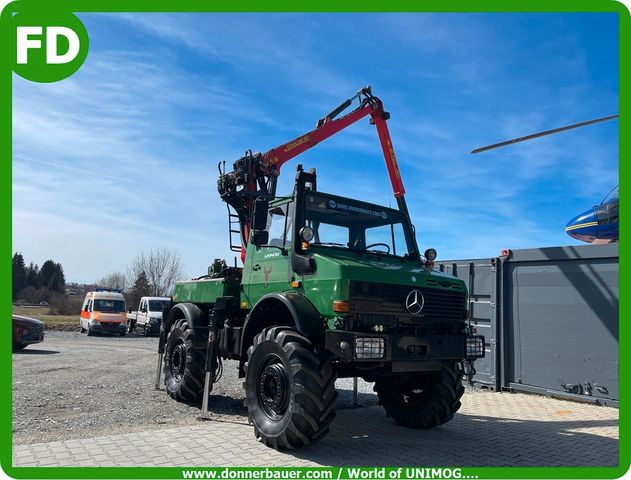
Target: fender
289 308
195 317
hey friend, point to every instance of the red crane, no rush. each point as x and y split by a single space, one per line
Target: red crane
255 174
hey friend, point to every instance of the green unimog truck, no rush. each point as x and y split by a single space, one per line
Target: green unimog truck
330 287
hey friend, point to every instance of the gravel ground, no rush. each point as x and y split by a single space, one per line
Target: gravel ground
75 386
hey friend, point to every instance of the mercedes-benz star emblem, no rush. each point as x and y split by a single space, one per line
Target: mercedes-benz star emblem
415 302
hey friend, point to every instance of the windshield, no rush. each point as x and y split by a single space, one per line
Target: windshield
345 223
112 306
157 305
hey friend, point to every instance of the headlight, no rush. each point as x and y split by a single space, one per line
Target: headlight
306 234
369 348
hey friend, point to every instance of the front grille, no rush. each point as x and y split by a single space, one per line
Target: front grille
387 299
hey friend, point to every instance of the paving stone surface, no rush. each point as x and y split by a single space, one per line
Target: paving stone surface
491 429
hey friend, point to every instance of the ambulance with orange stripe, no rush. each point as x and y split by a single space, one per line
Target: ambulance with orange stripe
104 311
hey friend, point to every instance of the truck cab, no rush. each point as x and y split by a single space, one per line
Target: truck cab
149 315
357 264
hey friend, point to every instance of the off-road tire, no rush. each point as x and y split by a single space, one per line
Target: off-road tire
422 401
299 412
183 365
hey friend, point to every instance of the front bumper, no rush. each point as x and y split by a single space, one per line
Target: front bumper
153 327
108 327
404 352
29 336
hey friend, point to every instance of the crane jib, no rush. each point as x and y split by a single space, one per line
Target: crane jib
254 175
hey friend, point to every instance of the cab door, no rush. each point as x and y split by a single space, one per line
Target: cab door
268 267
142 313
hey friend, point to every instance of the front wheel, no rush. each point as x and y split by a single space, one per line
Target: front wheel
289 389
422 401
183 365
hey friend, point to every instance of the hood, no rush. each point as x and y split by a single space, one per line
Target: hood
379 268
21 321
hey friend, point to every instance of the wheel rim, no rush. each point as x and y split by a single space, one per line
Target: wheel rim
273 388
178 361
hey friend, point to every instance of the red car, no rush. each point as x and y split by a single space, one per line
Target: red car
26 331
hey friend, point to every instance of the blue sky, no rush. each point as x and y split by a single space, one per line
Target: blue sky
122 156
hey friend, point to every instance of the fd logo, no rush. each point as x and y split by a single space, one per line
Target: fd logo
30 38
47 47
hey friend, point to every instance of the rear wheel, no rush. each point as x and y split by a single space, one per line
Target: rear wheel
183 365
422 401
289 388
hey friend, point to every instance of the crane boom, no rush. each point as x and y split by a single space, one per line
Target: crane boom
255 174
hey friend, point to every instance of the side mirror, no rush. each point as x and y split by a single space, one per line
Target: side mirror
260 237
259 221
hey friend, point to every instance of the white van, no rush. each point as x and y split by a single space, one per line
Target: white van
103 311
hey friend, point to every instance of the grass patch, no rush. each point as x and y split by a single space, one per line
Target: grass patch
33 312
52 322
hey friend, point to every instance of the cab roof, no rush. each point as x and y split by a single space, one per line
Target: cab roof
104 294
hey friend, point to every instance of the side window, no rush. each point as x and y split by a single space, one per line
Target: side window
280 225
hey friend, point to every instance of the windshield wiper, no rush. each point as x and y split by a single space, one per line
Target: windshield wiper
379 252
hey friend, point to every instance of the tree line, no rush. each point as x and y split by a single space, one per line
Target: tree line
151 274
31 279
